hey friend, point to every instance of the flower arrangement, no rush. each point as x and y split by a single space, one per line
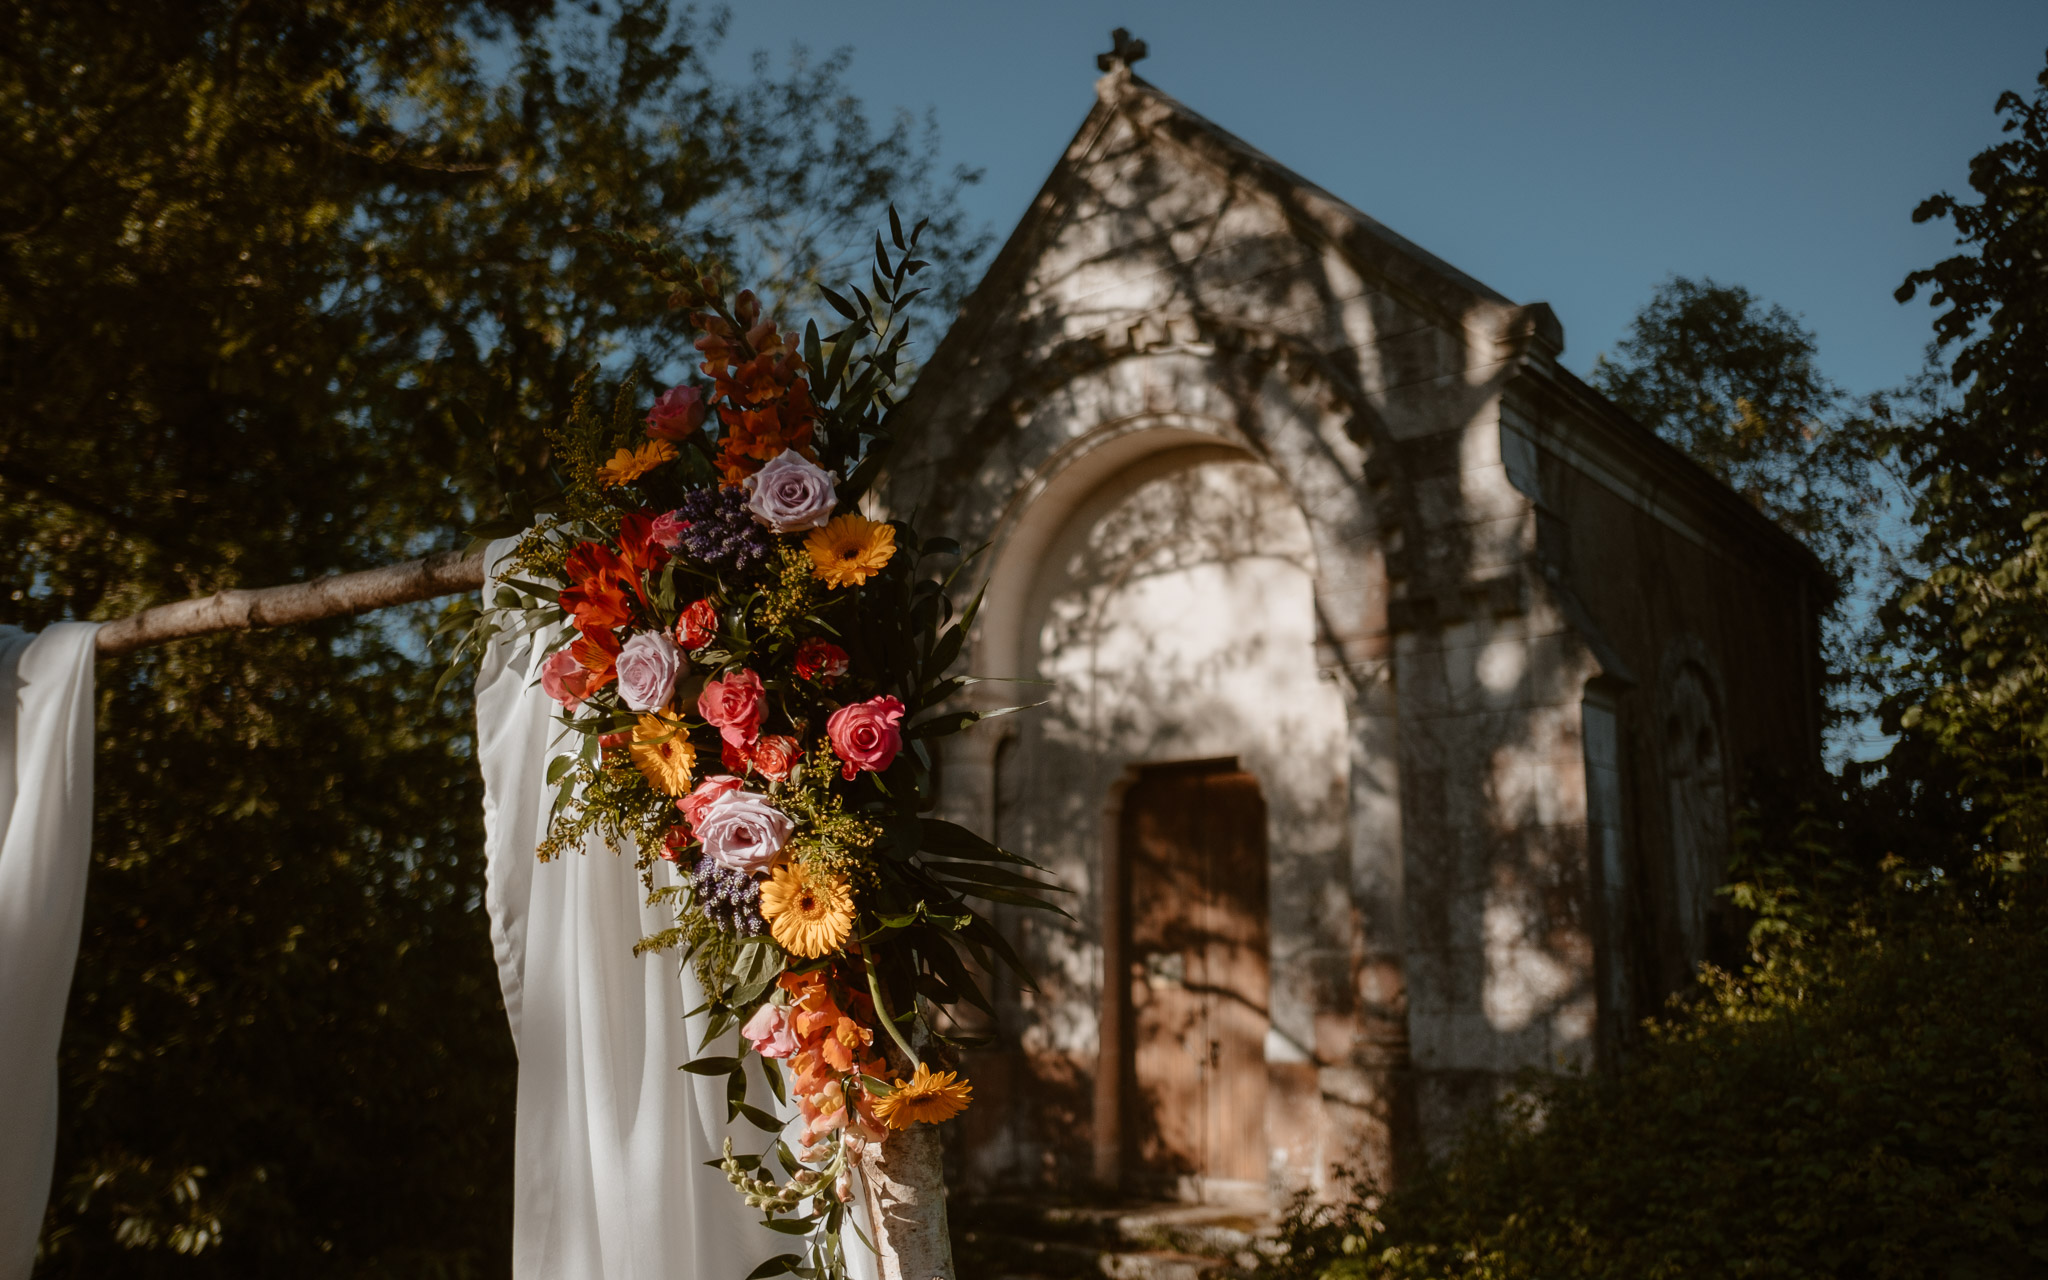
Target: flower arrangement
752 670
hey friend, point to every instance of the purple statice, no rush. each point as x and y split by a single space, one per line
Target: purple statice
720 532
729 899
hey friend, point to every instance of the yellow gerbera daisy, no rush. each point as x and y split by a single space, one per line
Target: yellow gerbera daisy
664 755
808 915
628 465
850 549
927 1099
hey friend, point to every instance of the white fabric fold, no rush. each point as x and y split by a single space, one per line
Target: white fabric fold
46 722
610 1181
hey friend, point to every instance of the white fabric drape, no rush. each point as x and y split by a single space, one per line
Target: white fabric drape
610 1181
46 719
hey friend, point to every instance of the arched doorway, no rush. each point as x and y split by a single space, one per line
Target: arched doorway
1169 605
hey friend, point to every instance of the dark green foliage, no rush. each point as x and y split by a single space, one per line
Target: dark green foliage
1734 382
1975 624
254 259
1868 1099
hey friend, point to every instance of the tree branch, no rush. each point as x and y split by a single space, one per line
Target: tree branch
340 595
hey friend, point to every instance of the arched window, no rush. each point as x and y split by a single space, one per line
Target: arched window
1696 790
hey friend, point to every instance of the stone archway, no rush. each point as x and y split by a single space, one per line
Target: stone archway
1166 583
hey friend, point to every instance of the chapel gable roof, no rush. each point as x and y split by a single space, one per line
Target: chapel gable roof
989 319
1371 246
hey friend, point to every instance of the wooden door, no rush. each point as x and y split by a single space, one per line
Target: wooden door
1193 846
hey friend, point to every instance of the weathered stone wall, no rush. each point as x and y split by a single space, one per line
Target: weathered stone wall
1263 480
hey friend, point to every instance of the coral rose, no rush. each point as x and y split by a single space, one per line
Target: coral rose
774 756
867 735
734 706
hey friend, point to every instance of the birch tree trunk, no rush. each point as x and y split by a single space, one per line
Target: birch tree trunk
332 597
906 1187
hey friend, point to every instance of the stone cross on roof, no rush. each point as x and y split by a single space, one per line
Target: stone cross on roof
1125 52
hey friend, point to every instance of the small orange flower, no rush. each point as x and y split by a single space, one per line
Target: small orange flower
927 1098
628 465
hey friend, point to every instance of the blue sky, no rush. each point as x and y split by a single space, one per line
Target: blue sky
1570 153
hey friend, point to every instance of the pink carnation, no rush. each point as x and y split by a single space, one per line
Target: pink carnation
866 735
770 1033
734 706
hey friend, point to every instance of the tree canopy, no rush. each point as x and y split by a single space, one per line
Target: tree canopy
1975 624
290 288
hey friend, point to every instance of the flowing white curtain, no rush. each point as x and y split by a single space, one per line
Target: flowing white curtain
46 719
609 1180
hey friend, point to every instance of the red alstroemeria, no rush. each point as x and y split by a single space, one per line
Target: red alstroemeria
597 596
639 550
598 652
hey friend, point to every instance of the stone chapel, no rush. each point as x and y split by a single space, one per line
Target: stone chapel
1398 685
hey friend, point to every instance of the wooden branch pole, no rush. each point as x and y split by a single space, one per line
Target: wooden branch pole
338 596
905 1176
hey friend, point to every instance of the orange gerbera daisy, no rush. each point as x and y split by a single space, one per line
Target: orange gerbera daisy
928 1098
628 465
808 915
850 549
664 754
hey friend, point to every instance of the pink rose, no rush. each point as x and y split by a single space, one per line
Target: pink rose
740 830
866 735
666 531
791 493
678 412
713 787
648 666
734 706
769 1032
565 679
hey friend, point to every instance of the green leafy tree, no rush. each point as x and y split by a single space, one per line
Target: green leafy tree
1975 624
292 288
1736 383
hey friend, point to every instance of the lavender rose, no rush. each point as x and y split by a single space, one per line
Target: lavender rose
741 830
647 667
792 493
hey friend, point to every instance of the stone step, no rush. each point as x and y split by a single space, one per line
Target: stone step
1163 1264
1032 1240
